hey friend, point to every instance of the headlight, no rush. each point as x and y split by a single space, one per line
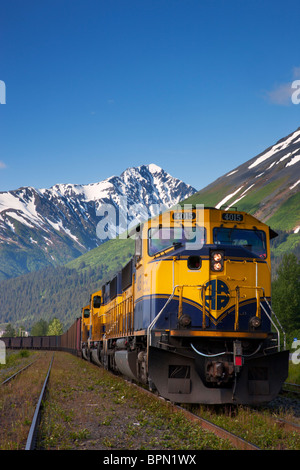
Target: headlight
255 322
217 257
217 267
217 261
185 320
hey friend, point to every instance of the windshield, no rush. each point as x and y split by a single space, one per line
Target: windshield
253 240
159 239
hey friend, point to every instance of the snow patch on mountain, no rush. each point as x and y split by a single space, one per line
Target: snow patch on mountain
242 195
227 198
294 160
67 214
295 184
276 148
231 173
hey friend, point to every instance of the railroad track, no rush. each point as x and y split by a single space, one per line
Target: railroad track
31 439
288 426
17 373
17 401
291 388
236 441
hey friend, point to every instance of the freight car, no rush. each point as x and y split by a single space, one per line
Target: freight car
190 314
32 342
70 341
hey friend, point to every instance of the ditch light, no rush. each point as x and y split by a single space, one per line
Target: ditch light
217 261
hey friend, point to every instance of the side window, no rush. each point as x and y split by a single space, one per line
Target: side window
97 301
138 248
86 313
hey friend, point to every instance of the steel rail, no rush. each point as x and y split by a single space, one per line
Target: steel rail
31 439
293 385
280 422
18 372
295 391
288 426
236 441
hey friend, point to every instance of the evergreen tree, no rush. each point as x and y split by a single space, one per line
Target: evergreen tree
9 331
40 328
286 293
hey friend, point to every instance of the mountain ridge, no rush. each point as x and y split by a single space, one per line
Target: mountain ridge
42 227
265 186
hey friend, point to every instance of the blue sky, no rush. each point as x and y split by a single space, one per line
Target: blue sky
95 86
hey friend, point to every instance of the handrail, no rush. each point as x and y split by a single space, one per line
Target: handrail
237 303
178 286
127 308
270 318
259 306
273 323
284 335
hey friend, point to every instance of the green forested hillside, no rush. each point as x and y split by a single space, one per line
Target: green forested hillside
61 292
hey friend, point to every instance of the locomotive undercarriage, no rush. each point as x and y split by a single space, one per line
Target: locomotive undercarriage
219 371
125 355
197 370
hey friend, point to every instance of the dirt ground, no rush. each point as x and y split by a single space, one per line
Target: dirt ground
87 408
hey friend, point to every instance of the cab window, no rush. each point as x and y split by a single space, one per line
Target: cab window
162 238
252 240
97 301
86 313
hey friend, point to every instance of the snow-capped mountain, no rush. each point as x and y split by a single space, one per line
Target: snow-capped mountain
39 227
267 186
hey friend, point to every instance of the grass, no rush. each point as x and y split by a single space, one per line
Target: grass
88 408
209 197
288 214
18 400
253 201
250 203
258 428
294 373
15 360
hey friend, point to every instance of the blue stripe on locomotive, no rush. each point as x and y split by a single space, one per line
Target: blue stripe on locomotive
147 307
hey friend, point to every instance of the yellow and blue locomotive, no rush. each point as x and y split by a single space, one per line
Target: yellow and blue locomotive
190 314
